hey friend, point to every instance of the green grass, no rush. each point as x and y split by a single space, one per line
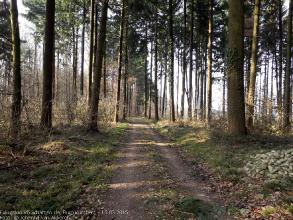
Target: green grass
224 153
59 184
209 148
268 211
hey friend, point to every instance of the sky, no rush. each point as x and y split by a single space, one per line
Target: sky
25 26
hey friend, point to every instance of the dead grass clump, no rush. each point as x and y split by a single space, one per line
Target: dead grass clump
55 146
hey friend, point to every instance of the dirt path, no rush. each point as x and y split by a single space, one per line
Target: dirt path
135 179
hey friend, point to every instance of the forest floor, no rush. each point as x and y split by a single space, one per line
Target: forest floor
52 174
142 170
219 160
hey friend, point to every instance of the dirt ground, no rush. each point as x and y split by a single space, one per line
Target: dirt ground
151 178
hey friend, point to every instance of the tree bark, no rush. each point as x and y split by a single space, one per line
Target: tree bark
235 57
81 87
92 30
272 87
146 73
16 97
126 66
287 82
165 84
35 67
184 62
253 66
171 79
74 65
210 64
190 92
280 73
117 106
151 82
48 61
156 67
105 71
98 68
224 95
265 88
177 84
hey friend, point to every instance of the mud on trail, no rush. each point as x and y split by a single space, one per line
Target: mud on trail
152 181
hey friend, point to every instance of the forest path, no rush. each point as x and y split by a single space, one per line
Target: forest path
135 180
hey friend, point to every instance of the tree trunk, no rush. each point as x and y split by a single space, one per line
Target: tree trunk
151 83
196 80
35 67
117 107
265 88
81 87
105 71
171 79
161 84
165 86
48 61
146 73
184 62
280 73
253 66
210 65
287 82
235 57
177 84
191 62
57 94
202 89
126 67
91 54
205 81
156 68
74 65
224 95
98 68
54 76
248 67
272 88
16 98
